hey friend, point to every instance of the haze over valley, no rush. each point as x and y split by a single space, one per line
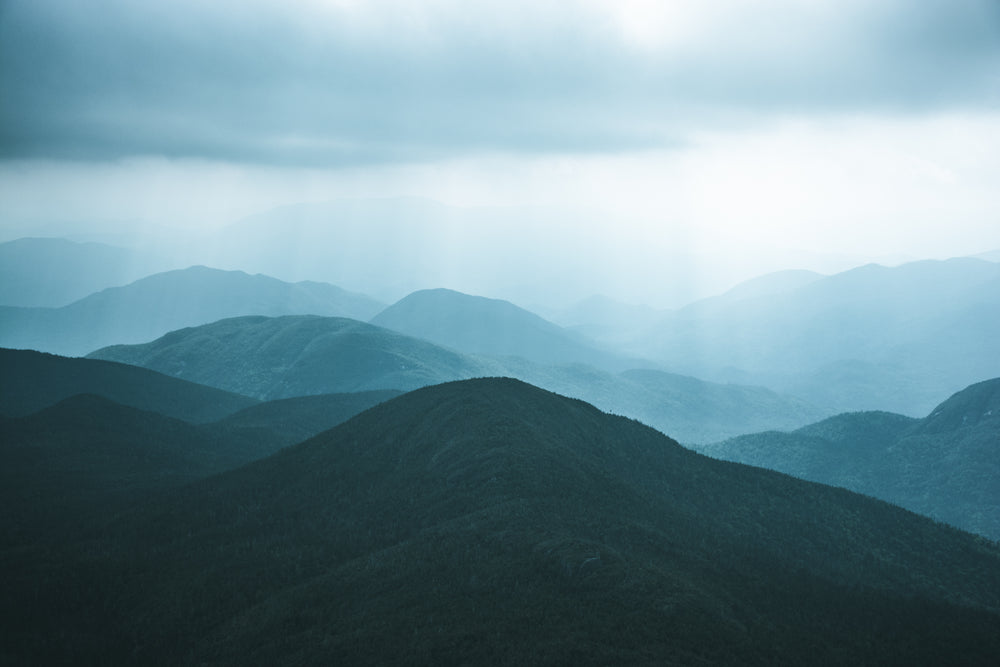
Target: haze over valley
338 332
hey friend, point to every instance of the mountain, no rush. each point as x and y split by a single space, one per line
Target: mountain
478 325
51 272
945 466
283 357
873 338
293 420
688 409
87 457
298 356
31 381
490 522
152 306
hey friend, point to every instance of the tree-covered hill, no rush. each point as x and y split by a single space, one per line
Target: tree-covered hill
946 465
30 381
491 522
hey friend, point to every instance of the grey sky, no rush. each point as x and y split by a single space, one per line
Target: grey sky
346 83
731 130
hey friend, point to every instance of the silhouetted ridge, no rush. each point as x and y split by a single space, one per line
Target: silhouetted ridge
490 522
30 381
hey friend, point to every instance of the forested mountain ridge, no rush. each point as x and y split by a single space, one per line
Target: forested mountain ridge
946 465
488 521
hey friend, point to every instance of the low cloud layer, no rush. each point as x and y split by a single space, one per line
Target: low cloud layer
351 83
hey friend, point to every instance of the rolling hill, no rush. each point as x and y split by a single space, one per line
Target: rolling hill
945 466
86 458
284 357
490 522
478 325
292 420
152 306
296 356
31 381
873 338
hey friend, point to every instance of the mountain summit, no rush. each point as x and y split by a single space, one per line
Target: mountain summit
490 522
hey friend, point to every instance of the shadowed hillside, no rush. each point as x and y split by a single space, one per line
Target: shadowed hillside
30 381
946 465
490 522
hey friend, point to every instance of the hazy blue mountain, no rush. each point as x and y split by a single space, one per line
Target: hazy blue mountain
31 381
152 306
296 356
293 420
478 325
283 357
607 320
991 256
896 339
946 465
688 409
490 522
51 272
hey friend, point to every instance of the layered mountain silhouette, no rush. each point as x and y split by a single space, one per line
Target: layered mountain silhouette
292 420
152 306
284 357
293 356
54 272
477 325
31 381
87 457
490 522
896 339
946 465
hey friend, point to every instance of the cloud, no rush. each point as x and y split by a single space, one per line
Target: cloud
353 83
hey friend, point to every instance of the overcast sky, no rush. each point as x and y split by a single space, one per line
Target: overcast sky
858 127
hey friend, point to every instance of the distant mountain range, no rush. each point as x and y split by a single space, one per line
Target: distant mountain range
477 325
53 272
282 357
152 306
293 356
896 339
946 465
490 522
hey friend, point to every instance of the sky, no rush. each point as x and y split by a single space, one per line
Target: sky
752 135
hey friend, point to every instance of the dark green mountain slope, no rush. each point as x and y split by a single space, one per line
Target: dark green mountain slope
87 456
283 357
30 381
490 522
148 308
293 420
477 325
946 465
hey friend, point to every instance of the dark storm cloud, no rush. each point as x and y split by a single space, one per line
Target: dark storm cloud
295 83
